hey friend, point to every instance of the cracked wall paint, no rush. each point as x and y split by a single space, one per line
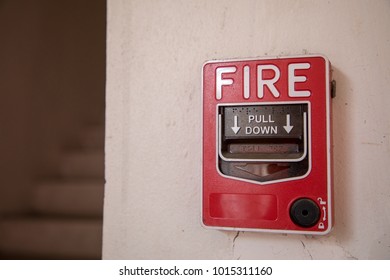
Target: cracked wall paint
155 51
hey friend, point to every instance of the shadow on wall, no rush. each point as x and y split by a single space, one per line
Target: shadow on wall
342 155
52 84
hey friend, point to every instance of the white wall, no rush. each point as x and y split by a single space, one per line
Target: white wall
153 144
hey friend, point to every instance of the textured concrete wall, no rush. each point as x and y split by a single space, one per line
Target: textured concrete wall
153 143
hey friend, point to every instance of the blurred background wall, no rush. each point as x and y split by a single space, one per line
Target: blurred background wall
52 79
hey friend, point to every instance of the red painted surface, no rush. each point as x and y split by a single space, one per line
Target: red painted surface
237 204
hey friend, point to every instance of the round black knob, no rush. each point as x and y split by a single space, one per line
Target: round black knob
305 212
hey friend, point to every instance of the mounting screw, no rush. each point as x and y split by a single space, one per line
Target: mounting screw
333 88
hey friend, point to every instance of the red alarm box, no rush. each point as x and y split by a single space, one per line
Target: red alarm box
267 145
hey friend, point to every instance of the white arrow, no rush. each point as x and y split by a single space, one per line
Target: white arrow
288 127
324 209
236 128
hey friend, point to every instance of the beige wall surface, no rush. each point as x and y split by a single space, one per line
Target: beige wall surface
153 142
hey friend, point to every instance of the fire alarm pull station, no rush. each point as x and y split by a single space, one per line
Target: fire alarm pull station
267 154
